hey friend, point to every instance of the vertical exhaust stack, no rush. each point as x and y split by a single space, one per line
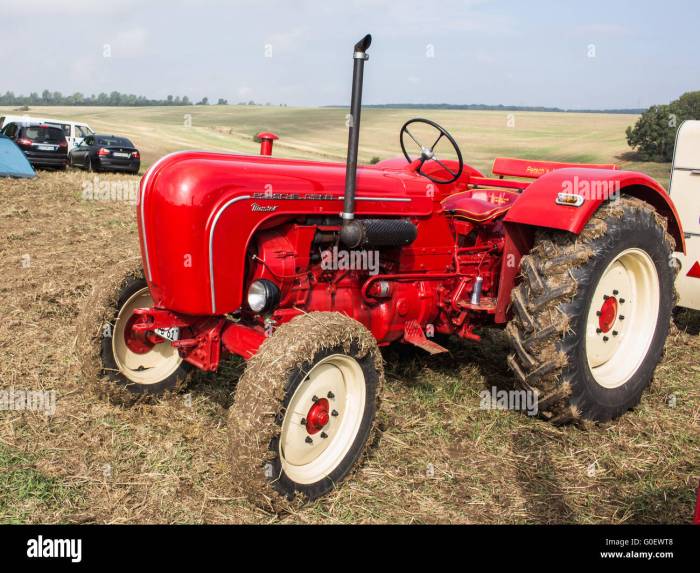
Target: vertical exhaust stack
352 233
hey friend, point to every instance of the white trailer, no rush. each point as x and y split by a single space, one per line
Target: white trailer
685 193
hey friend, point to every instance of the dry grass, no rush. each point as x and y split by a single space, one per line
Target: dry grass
440 459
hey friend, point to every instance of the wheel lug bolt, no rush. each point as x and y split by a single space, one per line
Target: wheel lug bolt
309 440
314 399
616 292
605 297
331 395
598 331
605 339
303 421
334 413
324 435
622 317
615 333
598 313
622 301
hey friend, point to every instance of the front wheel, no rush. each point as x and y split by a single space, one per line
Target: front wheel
111 354
304 409
592 313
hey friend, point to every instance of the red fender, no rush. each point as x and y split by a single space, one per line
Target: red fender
537 204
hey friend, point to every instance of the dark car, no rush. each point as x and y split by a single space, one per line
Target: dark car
44 145
106 153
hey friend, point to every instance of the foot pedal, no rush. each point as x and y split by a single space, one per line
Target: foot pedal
413 334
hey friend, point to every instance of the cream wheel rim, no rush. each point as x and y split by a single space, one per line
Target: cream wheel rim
335 385
622 318
150 367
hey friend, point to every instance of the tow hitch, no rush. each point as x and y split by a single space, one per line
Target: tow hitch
198 340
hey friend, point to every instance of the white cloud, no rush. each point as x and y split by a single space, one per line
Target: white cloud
130 43
603 29
285 41
83 70
41 8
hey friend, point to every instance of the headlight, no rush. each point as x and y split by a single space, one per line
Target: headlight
263 295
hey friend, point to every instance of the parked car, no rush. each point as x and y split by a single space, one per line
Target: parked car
44 145
106 153
74 131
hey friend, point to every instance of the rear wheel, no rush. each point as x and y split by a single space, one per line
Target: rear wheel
111 354
304 410
592 313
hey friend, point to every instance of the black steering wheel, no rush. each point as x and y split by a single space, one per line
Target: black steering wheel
428 153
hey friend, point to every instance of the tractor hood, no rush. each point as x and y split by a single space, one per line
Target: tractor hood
197 212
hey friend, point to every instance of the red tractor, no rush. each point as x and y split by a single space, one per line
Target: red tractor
253 256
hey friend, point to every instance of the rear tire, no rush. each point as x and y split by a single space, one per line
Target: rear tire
304 410
106 360
592 313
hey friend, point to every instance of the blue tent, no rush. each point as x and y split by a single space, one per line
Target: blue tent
13 163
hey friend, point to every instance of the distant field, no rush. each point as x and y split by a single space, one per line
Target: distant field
321 133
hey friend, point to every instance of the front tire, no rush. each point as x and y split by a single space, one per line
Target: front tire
123 368
592 313
304 410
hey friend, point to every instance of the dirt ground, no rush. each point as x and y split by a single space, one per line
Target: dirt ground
440 458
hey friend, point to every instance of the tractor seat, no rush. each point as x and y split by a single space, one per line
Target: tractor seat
480 205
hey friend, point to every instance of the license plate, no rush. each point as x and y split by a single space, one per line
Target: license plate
46 147
172 334
117 154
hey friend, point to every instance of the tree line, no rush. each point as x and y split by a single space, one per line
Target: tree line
114 98
498 107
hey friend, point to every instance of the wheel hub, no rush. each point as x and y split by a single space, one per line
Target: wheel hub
318 416
608 314
140 356
322 418
136 341
622 318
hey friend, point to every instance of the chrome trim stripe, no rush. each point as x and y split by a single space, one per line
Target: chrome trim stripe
240 198
211 246
686 168
142 197
389 199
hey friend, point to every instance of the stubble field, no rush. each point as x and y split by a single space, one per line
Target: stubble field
440 457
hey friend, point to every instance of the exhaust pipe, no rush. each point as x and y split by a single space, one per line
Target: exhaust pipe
352 234
375 232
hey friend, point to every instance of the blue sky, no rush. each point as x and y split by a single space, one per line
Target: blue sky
592 54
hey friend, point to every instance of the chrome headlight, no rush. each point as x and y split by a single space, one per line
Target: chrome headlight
263 295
